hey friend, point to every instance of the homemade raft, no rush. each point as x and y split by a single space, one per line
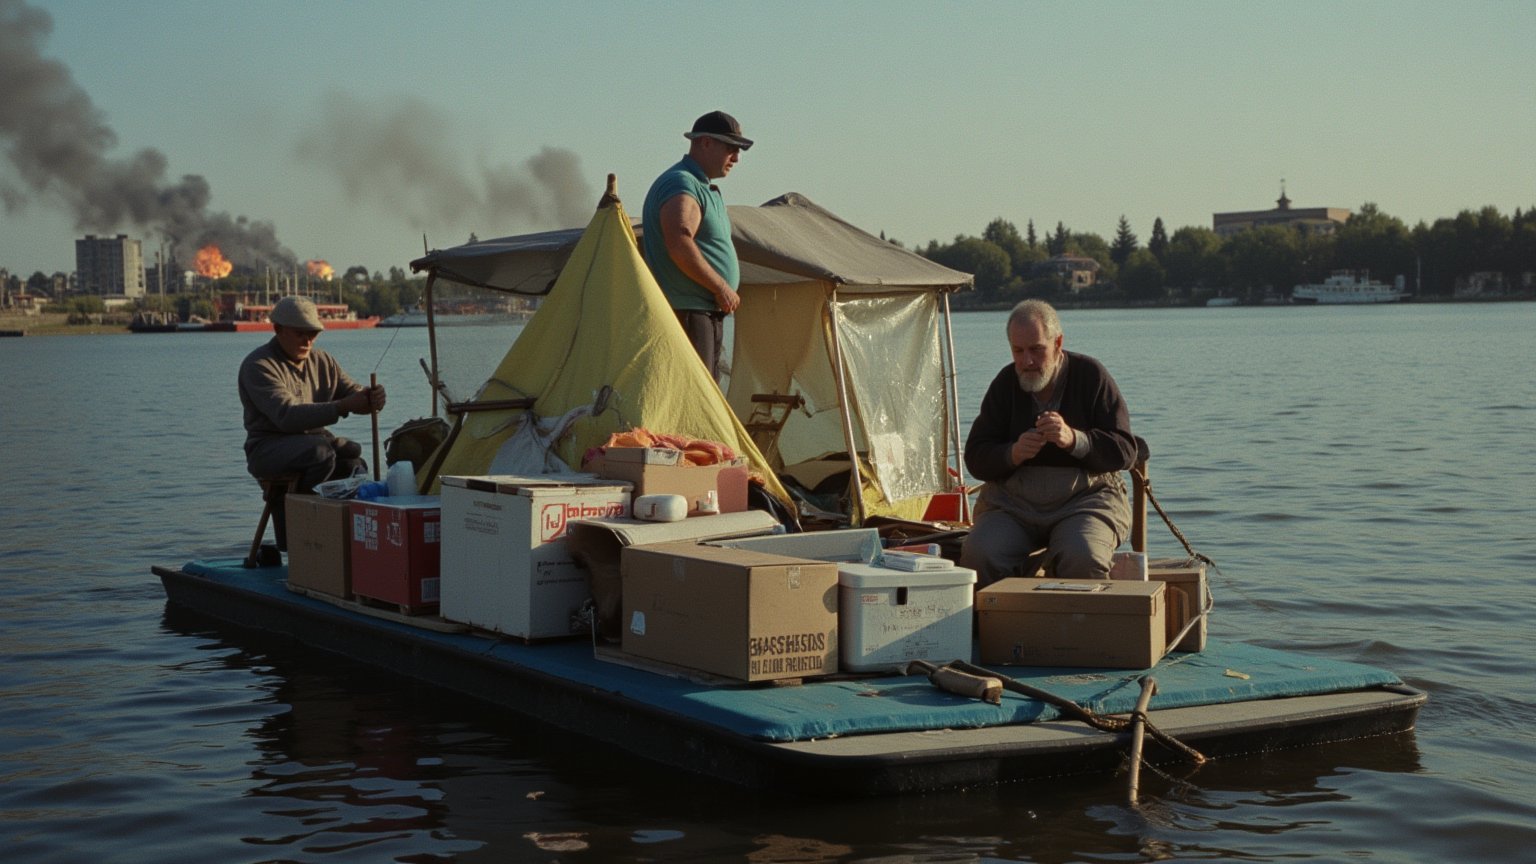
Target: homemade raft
841 736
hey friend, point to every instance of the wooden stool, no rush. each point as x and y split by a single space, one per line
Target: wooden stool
273 489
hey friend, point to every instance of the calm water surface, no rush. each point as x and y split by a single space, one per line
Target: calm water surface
1363 477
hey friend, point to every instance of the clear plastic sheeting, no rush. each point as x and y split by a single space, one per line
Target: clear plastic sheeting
893 364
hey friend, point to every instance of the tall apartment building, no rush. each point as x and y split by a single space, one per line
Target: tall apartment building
1313 220
109 265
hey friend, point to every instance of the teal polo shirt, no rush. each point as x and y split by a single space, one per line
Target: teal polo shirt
713 238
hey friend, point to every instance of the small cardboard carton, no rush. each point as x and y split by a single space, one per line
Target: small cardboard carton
506 567
395 546
1185 578
888 617
596 545
746 615
319 544
660 471
1099 623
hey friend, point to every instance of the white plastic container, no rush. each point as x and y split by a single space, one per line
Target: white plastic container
887 617
661 508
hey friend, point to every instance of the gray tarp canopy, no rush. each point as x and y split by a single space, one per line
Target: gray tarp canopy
788 239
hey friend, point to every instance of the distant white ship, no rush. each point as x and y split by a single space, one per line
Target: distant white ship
1349 286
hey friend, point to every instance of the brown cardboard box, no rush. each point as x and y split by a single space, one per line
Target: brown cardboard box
658 471
752 616
1185 578
1099 623
319 548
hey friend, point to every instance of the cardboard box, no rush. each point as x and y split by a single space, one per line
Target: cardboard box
852 545
319 544
1098 623
506 567
596 545
747 615
659 471
1185 578
887 617
395 545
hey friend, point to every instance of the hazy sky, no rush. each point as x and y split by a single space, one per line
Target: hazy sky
350 129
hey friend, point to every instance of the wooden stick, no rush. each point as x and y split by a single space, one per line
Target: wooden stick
1138 730
373 381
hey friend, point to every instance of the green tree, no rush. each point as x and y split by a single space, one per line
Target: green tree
1002 234
982 259
38 283
1266 259
1158 244
1194 260
1056 244
1125 243
1141 277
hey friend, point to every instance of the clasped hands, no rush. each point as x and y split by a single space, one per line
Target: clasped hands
1050 428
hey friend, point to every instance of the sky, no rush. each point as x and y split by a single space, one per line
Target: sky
350 131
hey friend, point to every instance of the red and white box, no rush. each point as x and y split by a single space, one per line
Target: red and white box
505 564
395 546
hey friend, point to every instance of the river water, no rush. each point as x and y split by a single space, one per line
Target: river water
1363 477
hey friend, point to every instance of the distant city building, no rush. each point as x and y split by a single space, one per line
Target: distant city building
1313 220
1078 272
109 265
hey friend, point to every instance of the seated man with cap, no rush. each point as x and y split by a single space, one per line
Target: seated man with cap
687 235
291 391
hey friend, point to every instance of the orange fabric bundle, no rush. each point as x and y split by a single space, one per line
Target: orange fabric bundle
695 451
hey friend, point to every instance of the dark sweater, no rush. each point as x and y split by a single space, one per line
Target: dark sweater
1090 402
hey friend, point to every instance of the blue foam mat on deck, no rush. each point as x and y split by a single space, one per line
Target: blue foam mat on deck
1224 672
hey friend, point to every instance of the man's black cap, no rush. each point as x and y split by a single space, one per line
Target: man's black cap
719 125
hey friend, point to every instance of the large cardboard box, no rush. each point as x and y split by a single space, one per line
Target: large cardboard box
395 545
319 544
1185 578
660 471
506 567
888 617
1099 623
597 545
751 616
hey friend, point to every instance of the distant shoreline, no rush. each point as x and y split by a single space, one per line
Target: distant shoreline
55 324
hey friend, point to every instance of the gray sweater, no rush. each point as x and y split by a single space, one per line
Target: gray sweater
281 397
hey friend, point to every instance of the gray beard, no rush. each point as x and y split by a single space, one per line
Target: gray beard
1034 382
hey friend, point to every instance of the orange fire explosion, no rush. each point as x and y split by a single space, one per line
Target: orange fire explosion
210 262
320 270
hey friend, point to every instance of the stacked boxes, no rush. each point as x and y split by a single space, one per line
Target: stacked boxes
718 488
1185 579
505 563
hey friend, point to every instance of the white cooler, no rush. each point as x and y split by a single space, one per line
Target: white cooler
887 617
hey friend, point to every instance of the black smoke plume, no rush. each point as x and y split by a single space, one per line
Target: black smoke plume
58 142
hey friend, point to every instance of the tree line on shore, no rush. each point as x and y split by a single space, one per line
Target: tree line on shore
1195 263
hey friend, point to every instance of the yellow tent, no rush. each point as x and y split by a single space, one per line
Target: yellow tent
603 354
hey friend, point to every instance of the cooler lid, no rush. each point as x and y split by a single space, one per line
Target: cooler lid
873 576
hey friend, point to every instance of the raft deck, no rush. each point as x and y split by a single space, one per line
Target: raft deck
855 735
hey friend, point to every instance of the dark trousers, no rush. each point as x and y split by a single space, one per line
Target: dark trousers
316 458
706 331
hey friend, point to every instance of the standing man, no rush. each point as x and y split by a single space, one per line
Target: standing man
687 235
1050 441
291 391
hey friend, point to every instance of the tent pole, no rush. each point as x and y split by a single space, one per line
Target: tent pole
432 338
857 492
954 414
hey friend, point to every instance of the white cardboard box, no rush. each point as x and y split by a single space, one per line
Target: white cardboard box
888 617
505 566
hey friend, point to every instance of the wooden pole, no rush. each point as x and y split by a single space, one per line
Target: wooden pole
373 381
1138 733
